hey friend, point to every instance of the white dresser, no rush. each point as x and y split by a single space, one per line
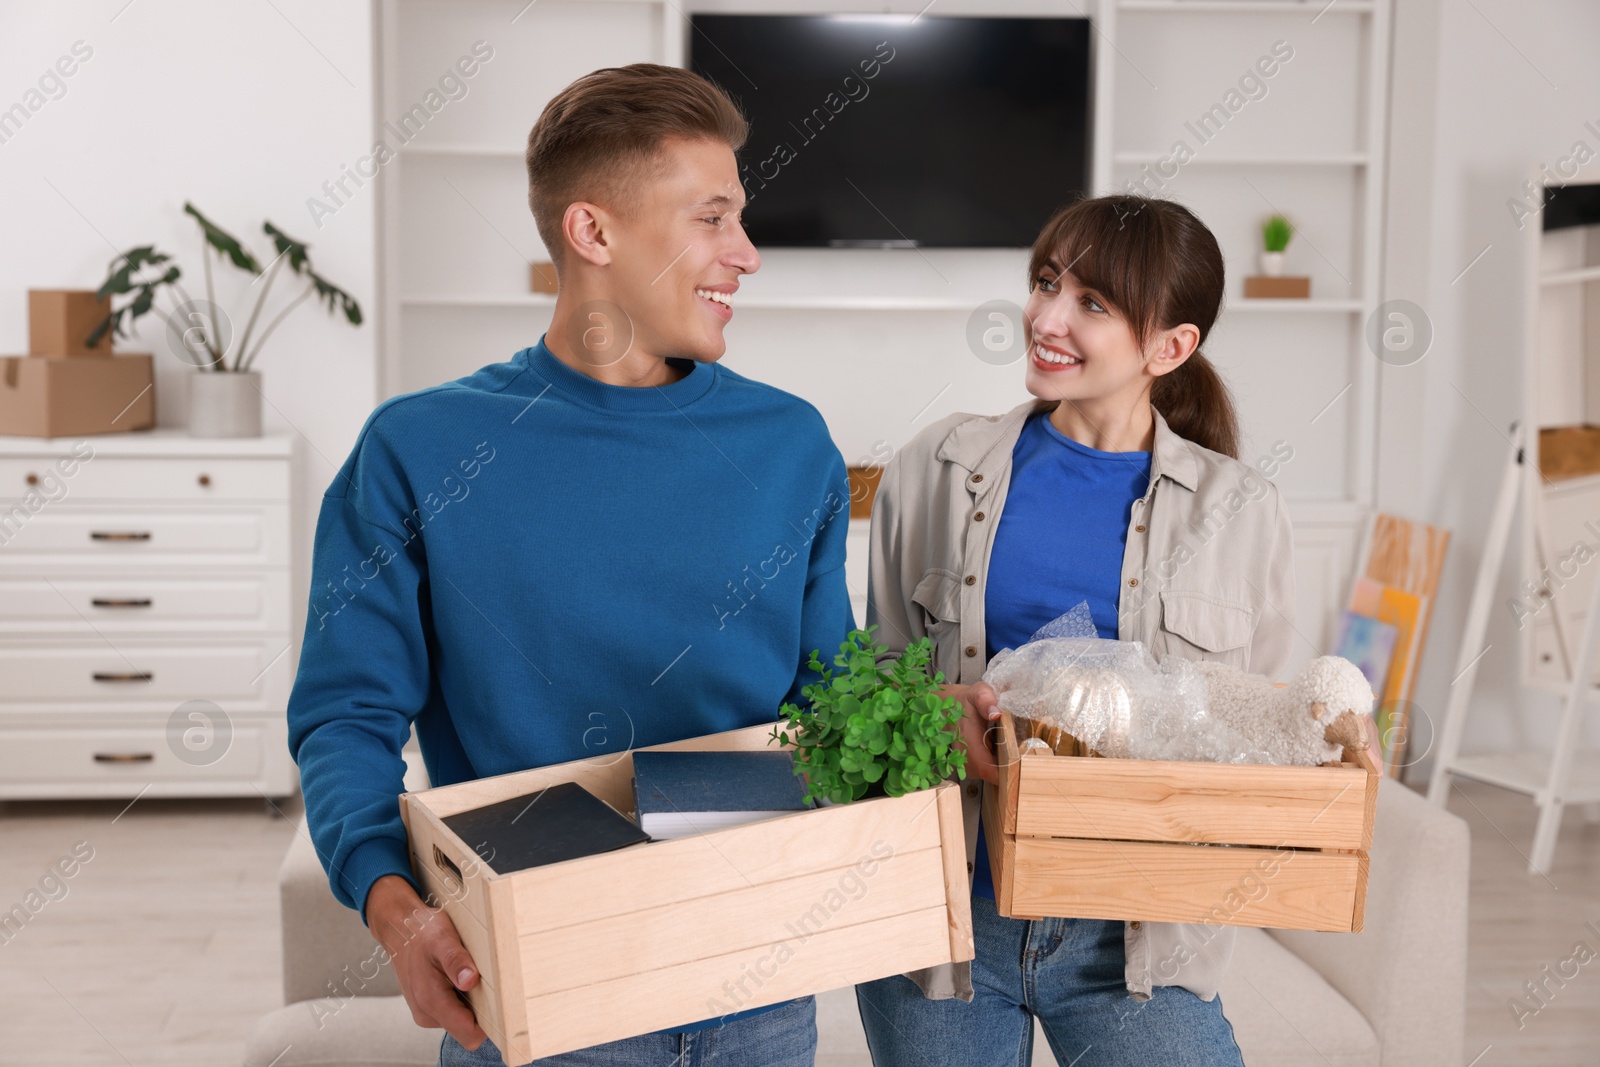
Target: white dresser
145 616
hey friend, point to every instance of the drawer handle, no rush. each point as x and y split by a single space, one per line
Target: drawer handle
204 479
32 478
123 676
124 757
121 602
119 535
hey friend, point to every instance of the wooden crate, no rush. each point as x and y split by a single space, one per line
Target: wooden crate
1172 841
668 933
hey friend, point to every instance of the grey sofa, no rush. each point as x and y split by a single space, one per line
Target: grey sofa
1391 996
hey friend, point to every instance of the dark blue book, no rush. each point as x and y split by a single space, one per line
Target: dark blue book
678 794
562 822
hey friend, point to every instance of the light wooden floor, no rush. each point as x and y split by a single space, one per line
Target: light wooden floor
164 948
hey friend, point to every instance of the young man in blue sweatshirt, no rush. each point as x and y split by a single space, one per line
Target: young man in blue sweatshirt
606 542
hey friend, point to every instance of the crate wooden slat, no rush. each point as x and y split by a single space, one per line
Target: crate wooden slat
1172 841
672 932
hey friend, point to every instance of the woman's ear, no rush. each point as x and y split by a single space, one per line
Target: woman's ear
585 228
1172 347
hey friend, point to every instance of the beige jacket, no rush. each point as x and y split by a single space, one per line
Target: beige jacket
1207 574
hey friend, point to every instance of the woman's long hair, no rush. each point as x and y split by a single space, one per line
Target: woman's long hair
1159 267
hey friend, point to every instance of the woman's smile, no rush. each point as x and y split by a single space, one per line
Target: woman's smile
1053 360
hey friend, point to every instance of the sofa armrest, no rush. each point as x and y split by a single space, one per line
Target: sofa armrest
1406 972
327 950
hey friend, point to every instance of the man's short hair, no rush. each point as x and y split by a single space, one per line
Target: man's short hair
601 137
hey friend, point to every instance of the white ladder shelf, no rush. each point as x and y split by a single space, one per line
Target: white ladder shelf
1552 779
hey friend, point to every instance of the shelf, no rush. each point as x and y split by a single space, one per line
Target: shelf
532 300
741 303
1329 307
1527 772
1570 277
869 303
1247 7
461 150
1336 159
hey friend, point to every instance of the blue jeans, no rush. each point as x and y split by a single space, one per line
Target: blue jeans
1066 972
782 1037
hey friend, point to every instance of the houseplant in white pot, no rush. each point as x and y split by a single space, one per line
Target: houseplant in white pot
224 392
1275 234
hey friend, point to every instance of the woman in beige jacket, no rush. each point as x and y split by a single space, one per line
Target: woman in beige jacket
1119 485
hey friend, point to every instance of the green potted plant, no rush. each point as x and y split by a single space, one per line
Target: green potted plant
225 394
870 731
1275 234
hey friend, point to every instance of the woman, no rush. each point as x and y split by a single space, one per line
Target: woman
1118 484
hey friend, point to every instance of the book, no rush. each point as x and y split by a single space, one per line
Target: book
562 822
679 794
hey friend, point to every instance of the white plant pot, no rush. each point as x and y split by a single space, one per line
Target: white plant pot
1272 264
225 404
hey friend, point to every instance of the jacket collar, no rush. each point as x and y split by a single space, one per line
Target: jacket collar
984 445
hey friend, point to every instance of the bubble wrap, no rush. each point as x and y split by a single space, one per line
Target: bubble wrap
1113 697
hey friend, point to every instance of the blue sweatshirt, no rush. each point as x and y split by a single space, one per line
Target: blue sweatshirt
536 567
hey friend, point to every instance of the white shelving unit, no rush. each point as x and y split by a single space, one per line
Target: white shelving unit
1560 635
1311 146
876 338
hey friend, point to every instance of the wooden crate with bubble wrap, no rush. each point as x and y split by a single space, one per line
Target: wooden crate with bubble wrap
1077 836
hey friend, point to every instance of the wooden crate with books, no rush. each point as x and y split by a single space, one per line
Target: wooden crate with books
652 934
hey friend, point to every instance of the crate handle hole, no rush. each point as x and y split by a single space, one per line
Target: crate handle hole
447 864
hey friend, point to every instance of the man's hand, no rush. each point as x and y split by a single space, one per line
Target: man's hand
980 707
428 957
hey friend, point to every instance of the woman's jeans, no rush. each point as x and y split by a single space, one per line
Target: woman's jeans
1068 973
782 1037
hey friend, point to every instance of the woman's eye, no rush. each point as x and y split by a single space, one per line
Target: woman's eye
1047 284
1092 304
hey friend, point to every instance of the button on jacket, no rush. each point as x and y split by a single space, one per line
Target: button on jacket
1207 574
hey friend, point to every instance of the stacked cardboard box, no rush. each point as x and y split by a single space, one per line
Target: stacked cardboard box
64 388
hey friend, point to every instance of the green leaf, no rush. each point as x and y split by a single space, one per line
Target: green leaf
224 243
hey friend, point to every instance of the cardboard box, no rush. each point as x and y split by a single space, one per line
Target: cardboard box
668 933
542 277
1569 451
43 397
1264 287
1173 841
61 320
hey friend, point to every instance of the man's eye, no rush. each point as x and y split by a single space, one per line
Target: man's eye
715 220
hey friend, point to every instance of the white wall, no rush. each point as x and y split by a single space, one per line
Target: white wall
245 109
1516 83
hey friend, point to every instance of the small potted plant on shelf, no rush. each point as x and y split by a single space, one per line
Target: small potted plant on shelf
225 396
1275 235
870 731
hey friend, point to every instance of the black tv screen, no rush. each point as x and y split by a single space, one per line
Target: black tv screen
887 131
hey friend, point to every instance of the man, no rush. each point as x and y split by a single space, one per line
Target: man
608 541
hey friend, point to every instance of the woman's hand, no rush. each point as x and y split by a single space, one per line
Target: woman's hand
980 707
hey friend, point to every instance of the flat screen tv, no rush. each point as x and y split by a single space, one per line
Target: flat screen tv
889 131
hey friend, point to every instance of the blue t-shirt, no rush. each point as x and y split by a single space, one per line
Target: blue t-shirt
1061 538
